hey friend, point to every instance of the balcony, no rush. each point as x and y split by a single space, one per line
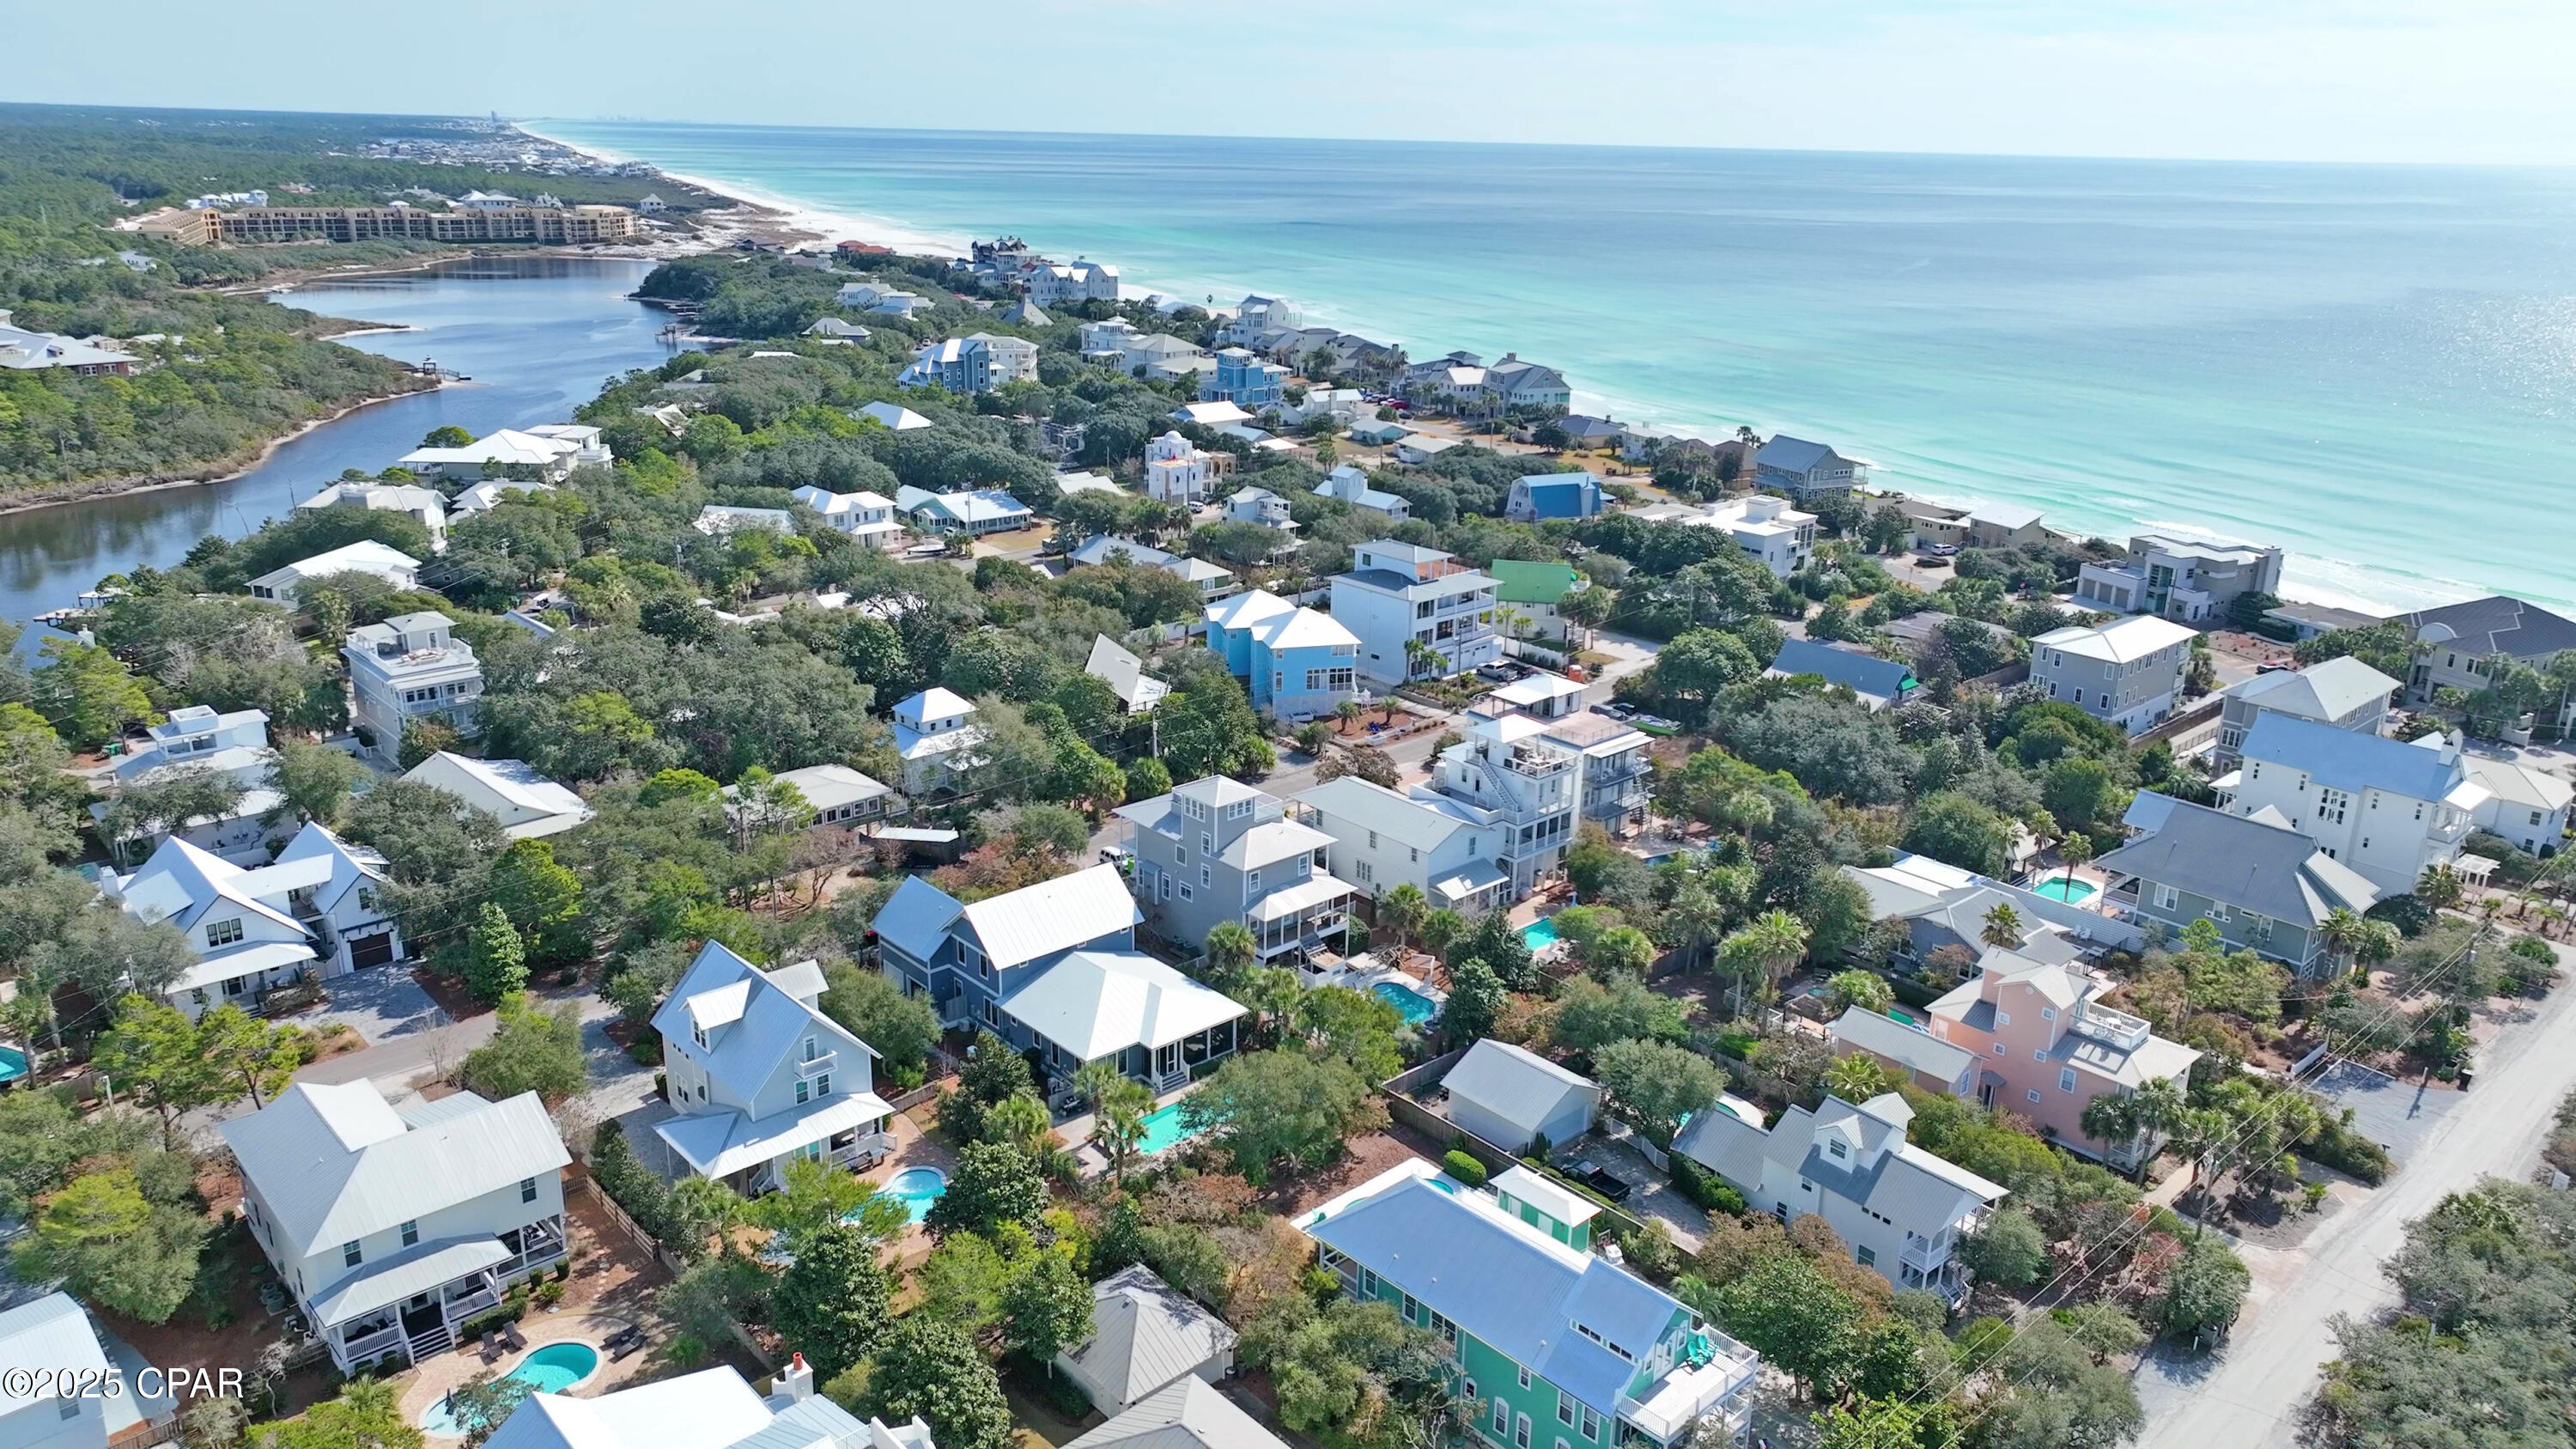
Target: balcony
1536 764
1926 1257
819 1063
2117 1029
1722 1386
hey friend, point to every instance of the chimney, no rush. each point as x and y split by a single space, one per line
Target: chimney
796 1381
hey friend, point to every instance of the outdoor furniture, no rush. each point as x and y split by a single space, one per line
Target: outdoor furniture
619 1353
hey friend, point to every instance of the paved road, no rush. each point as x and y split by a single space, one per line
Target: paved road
2250 1396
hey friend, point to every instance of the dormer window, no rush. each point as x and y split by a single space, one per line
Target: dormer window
1838 1149
698 1034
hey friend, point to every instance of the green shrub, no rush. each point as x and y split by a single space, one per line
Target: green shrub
2337 1146
1066 1397
645 1051
1463 1167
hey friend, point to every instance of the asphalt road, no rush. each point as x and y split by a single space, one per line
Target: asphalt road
2250 1395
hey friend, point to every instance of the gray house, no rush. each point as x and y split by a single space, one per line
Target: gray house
1880 683
2344 693
1145 1334
1217 850
2264 885
1510 1096
1802 469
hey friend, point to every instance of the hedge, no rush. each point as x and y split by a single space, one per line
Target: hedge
1458 1164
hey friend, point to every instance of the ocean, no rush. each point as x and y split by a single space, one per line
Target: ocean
2372 366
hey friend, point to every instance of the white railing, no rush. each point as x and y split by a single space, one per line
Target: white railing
2119 1028
817 1064
1926 1257
371 1345
1684 1396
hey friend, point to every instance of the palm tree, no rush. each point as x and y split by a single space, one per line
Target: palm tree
2003 927
1119 1104
1768 945
1347 712
1856 1078
1439 929
1699 916
1403 910
1586 609
2441 886
2341 931
1421 659
2074 850
1229 948
2132 1119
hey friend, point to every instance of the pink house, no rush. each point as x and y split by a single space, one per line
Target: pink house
2043 1046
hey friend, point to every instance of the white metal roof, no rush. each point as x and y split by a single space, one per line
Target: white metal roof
1516 1084
1145 1334
1057 915
414 1270
335 1162
719 1144
1188 1413
2118 642
1095 1003
52 1333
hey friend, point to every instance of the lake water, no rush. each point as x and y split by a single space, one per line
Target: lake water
538 336
2374 367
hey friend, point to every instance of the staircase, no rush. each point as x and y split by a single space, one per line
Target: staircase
429 1343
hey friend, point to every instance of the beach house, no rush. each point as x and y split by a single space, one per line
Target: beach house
1118 667
1145 1336
970 513
935 736
710 1409
1217 850
408 668
2342 693
1537 497
1213 581
1178 471
760 1077
1417 611
1805 471
1880 683
425 506
1508 774
2129 671
1263 507
1902 1211
2525 805
978 362
392 1225
1053 970
723 520
2186 579
833 795
48 1341
1245 380
1382 839
197 740
2267 887
1516 1099
865 516
1778 536
1552 1343
528 805
398 569
312 911
1296 663
2386 808
895 416
545 454
1513 386
2458 646
1350 483
22 350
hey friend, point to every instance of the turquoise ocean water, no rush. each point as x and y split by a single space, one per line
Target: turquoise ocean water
2373 366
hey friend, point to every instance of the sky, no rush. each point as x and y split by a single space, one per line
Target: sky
2313 80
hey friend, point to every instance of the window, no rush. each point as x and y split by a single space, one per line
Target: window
1866 1256
1837 1148
1412 1308
411 1232
350 1255
1363 872
698 1034
2167 897
1368 1282
2032 1094
1564 1409
1186 893
223 933
1999 1048
1502 1417
1207 843
1166 883
2039 1054
1207 875
1520 1431
2003 1018
1252 883
1469 1387
527 1189
1524 1378
2048 1013
1591 1423
804 1091
2066 1079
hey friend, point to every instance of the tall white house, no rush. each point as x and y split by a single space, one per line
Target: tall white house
198 740
284 585
426 506
2388 809
393 1225
1383 839
1508 774
1399 595
313 910
760 1077
935 735
1778 536
2129 671
410 667
1176 471
2187 579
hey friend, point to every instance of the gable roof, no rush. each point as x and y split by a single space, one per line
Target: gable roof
2350 760
1505 1282
348 864
754 1019
916 917
1791 455
336 1162
1145 1334
710 1409
2250 864
528 803
1187 1414
1917 1050
1057 915
1421 824
1114 665
1863 674
1516 1084
1095 1003
2119 642
895 416
51 1333
1903 1183
2520 784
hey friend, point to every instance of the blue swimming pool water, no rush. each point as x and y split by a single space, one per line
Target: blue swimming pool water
1541 932
2059 888
916 1188
1415 1007
547 1370
1163 1130
13 1064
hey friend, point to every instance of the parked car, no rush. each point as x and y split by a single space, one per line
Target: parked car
1939 550
1616 711
1606 1183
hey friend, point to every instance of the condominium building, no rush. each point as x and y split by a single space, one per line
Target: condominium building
1417 612
561 225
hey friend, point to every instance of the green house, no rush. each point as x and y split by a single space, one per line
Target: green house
1559 1348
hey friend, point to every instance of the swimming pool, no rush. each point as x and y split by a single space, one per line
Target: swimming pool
916 1188
13 1064
2059 888
1538 933
1164 1130
1415 1007
550 1369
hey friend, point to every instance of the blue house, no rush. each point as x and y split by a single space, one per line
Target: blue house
1564 1350
1295 663
1880 683
1244 380
1537 496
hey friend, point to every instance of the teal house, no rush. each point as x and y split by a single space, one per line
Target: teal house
1559 1348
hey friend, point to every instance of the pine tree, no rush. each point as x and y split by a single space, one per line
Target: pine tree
496 963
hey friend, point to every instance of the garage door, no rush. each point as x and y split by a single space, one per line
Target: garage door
374 950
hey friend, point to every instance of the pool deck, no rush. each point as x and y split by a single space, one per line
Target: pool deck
1076 1133
433 1378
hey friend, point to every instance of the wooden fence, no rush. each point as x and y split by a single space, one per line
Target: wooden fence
625 1224
1402 1106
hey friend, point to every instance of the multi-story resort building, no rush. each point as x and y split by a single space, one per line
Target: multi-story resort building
562 225
1417 612
1563 1349
1217 850
410 667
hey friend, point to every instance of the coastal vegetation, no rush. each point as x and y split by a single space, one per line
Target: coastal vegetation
220 372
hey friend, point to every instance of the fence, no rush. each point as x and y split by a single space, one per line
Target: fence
148 1432
1402 1107
2186 731
618 1218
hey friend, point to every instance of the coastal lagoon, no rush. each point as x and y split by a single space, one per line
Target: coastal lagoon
538 335
2372 366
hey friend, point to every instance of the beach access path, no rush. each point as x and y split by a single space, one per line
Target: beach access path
2250 1393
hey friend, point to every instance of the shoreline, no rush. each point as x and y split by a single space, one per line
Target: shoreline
99 488
836 225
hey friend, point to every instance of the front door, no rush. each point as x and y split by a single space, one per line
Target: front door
1985 1094
421 1315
